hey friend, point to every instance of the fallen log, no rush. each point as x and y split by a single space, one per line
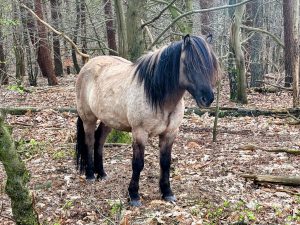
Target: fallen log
284 180
251 147
223 111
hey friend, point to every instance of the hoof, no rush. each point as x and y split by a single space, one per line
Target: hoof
135 203
102 177
90 178
170 198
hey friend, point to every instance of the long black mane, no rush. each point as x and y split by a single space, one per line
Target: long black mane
159 71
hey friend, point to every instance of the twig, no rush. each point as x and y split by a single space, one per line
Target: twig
193 12
159 15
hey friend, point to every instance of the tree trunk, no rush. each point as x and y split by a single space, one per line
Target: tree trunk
3 73
83 28
122 31
235 43
136 44
17 178
110 30
291 19
75 33
44 53
255 45
206 17
55 14
18 48
28 24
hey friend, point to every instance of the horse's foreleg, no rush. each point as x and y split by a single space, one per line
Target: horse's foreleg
165 145
100 137
140 139
89 129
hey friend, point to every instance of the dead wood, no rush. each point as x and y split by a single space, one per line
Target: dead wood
276 150
223 111
284 180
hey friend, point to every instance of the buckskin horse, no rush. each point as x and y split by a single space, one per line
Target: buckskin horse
145 98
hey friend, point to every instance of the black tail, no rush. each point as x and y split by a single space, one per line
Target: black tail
81 148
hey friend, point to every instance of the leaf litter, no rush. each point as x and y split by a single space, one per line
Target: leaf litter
205 176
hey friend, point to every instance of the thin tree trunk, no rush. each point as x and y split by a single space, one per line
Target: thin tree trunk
235 43
3 73
28 24
136 44
83 28
44 54
18 48
55 14
291 32
122 31
206 17
77 25
110 30
255 45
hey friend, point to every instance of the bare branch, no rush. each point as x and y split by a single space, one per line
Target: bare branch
159 15
276 39
193 12
85 56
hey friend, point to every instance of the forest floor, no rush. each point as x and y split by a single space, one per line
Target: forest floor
205 176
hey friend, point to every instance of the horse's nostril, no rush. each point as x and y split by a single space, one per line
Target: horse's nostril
203 99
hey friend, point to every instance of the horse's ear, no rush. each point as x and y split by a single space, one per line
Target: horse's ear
209 38
186 39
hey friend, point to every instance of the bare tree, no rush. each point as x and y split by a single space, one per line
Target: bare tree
291 32
55 14
110 30
44 54
3 74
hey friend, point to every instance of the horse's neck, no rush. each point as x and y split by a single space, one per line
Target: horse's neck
173 100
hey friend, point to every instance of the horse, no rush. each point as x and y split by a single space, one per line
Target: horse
144 98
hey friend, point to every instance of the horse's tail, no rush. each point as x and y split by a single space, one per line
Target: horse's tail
81 148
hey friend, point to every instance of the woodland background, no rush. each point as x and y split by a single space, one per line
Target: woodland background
257 45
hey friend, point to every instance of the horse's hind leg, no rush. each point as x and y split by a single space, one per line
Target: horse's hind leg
89 129
140 138
100 137
165 145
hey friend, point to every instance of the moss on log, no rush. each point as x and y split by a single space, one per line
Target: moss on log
17 178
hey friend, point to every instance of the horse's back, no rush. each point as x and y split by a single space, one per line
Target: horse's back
101 89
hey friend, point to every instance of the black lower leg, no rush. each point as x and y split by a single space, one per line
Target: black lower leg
137 167
100 137
164 182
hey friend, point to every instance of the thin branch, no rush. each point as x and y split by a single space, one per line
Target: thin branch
196 11
274 85
159 15
276 39
86 56
166 3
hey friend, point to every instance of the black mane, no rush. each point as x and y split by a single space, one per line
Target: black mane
159 71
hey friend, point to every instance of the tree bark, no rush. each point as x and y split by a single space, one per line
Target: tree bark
75 33
17 179
122 30
136 44
206 17
3 73
110 30
255 45
55 14
44 53
235 43
289 181
291 32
